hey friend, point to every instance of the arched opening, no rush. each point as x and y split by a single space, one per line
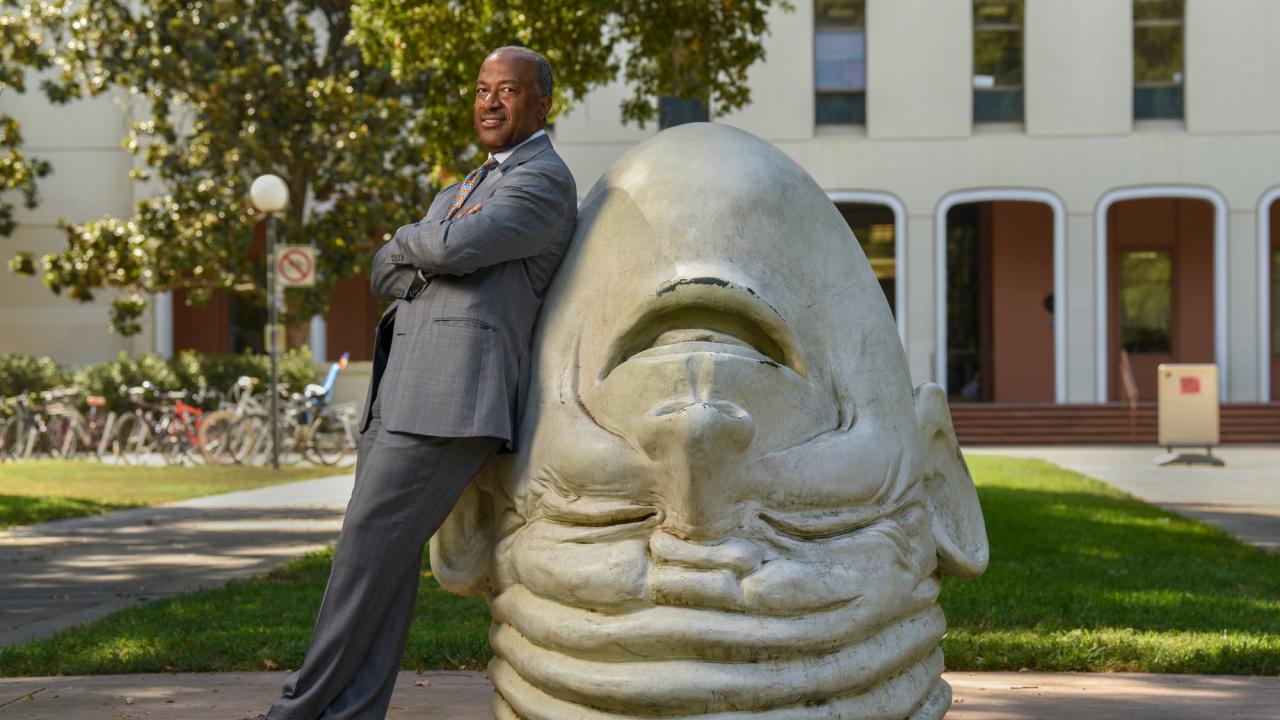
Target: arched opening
999 280
878 221
875 227
1160 288
1271 271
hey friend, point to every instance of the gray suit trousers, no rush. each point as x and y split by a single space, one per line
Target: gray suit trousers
405 487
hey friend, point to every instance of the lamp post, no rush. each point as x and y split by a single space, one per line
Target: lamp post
270 196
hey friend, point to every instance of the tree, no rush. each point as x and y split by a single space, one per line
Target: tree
22 47
363 132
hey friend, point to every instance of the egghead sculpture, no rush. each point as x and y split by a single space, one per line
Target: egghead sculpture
729 503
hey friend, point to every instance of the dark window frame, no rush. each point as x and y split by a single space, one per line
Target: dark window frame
1012 97
845 107
1160 100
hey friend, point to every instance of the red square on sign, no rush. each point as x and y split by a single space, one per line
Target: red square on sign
1190 385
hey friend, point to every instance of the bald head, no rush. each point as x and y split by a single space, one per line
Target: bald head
542 68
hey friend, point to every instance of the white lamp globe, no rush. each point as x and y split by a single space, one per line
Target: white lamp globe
269 194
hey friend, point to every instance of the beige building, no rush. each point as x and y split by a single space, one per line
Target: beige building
1039 184
1118 163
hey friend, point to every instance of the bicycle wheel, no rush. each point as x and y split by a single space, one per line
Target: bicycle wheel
325 440
65 434
225 438
131 441
171 437
19 438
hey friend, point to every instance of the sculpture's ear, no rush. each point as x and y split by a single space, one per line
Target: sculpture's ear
956 516
462 549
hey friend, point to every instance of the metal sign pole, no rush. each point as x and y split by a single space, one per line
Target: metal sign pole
270 195
273 312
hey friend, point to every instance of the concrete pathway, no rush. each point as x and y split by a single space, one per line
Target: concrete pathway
465 696
64 573
1242 497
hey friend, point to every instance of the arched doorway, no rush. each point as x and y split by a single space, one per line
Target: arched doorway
878 221
1160 268
999 277
1269 282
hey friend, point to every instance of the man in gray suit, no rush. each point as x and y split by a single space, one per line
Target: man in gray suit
451 364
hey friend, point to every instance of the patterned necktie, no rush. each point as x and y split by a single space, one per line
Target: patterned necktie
469 184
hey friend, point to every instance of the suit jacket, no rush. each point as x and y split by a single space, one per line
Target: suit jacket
454 361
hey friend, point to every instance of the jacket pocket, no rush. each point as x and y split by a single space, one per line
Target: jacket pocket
466 322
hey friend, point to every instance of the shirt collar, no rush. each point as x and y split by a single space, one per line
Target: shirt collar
501 157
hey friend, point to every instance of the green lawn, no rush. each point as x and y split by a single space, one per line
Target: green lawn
33 491
1082 578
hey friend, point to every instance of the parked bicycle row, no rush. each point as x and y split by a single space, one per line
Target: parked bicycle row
174 427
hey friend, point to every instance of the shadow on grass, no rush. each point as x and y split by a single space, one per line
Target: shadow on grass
18 510
262 624
1071 560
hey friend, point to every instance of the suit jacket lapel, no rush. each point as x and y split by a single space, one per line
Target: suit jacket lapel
523 154
485 189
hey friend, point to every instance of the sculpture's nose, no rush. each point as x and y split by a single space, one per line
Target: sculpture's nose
699 447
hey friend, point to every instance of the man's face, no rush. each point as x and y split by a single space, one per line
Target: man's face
509 107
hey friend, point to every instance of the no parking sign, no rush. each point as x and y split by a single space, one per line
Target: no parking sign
296 265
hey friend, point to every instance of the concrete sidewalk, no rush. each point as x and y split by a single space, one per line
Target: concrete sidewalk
64 573
1242 498
465 696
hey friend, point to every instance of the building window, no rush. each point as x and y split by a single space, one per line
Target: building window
997 60
674 111
840 62
1157 59
1146 301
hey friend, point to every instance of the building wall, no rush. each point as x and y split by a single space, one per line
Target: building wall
1232 58
1075 90
1079 140
82 143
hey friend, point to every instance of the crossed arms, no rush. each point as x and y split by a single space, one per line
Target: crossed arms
519 220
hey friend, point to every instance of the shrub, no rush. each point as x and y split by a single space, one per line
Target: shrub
27 374
190 370
222 370
106 379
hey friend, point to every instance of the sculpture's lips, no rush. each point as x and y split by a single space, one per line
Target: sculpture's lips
707 314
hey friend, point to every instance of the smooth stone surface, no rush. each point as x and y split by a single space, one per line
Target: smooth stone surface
729 501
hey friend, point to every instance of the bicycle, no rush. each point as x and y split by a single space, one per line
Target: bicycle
26 431
74 433
226 435
170 428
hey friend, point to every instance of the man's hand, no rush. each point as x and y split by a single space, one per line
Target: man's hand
469 211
